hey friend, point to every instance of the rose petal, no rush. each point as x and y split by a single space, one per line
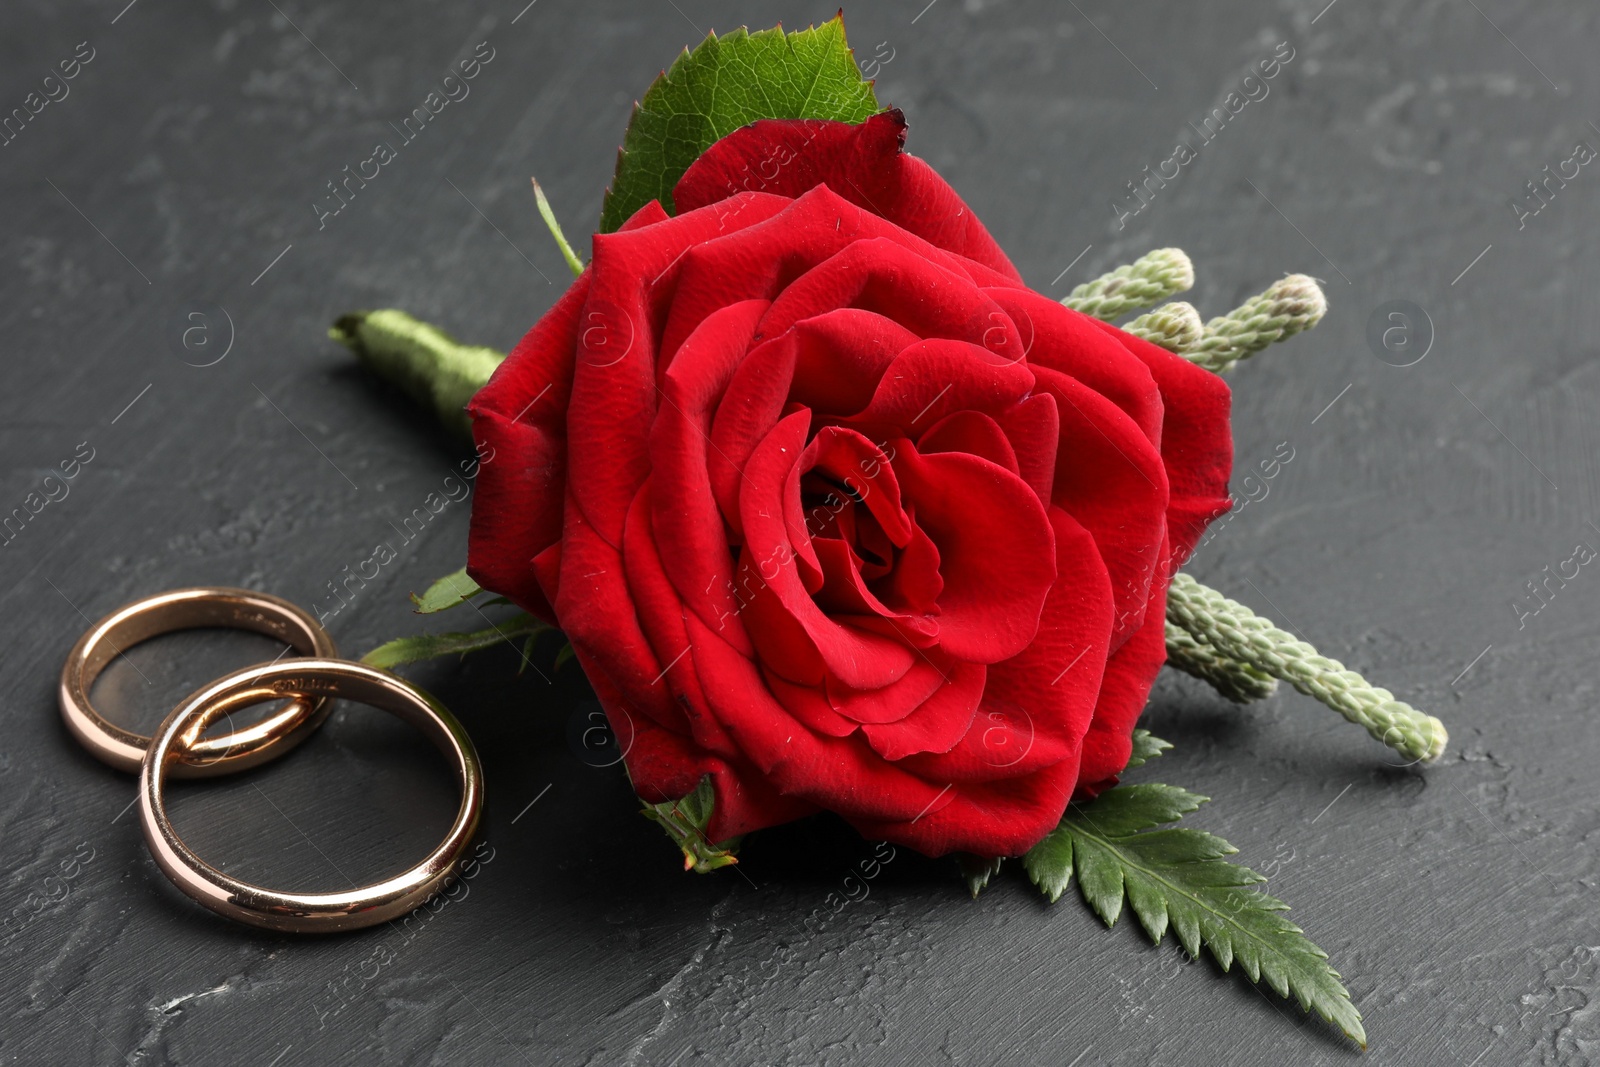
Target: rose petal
883 276
861 467
614 383
844 595
1034 430
841 356
664 766
685 520
1038 705
764 258
1110 478
866 164
1129 675
999 818
660 612
895 701
752 405
648 215
997 559
1196 441
1068 341
810 706
598 615
857 658
914 585
971 432
936 724
518 422
932 378
843 774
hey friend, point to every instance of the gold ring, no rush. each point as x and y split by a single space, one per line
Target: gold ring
188 609
308 912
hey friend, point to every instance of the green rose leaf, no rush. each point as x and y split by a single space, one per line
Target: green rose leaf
687 821
405 650
451 591
725 83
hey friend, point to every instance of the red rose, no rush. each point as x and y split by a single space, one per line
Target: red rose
836 510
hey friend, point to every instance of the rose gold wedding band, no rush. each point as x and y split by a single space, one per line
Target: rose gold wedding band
308 912
187 609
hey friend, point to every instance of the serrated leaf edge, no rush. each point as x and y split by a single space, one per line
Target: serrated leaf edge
450 591
977 870
606 222
1352 1027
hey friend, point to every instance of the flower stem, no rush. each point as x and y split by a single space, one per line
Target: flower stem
426 363
1234 631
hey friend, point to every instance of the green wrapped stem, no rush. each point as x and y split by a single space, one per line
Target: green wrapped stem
426 363
1234 631
1237 681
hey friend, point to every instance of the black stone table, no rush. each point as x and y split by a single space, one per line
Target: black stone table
171 195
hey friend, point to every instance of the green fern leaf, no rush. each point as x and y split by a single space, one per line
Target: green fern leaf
977 870
1178 879
1146 747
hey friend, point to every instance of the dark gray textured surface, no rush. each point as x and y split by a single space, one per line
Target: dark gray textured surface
1458 902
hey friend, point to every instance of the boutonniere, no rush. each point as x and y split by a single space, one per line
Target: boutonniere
837 513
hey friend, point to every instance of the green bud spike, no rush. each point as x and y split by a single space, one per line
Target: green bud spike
1289 306
1147 281
1241 635
1238 682
1175 326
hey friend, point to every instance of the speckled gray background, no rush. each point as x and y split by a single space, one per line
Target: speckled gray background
179 175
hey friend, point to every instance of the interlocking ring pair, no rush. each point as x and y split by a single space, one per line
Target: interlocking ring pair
311 682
